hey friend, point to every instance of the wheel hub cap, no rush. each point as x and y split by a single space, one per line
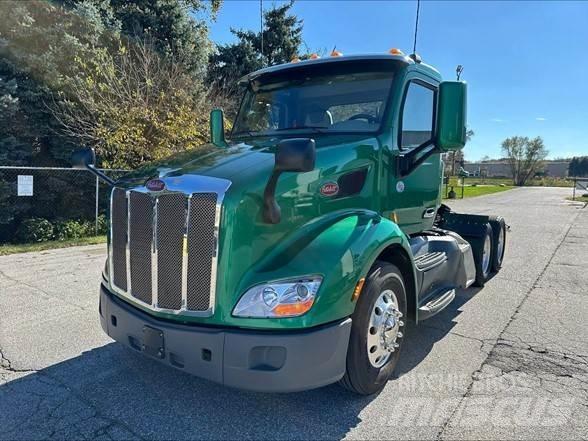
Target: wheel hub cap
486 253
384 329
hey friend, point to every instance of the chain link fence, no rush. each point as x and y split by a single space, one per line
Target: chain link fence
54 194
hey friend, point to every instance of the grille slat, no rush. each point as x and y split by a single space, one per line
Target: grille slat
171 221
119 238
163 249
140 240
201 249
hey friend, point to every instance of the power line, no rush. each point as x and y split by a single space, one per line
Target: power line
416 26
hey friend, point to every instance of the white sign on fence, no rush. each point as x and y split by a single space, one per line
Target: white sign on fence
582 184
25 185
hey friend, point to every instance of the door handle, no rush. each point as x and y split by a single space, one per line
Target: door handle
429 212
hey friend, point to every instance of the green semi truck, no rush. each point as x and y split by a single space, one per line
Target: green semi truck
291 254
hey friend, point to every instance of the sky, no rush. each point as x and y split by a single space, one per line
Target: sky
526 63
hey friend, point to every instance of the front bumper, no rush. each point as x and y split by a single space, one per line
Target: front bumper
263 361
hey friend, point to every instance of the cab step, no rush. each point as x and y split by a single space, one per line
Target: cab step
436 304
428 261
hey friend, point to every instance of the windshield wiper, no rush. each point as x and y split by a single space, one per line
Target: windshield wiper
319 129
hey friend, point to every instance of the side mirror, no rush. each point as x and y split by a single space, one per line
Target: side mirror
217 128
452 116
83 158
292 155
86 159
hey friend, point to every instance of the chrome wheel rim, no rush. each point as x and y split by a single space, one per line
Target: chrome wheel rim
500 246
384 329
486 254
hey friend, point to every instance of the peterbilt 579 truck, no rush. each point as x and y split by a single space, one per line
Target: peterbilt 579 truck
291 254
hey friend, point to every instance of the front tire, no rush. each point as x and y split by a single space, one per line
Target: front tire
377 330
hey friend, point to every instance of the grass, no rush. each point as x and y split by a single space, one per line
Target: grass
536 182
479 190
579 198
40 246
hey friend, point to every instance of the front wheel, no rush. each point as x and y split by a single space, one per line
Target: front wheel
377 330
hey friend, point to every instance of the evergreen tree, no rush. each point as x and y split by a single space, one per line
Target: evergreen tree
282 39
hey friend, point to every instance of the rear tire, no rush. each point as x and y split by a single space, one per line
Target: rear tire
377 325
499 230
483 250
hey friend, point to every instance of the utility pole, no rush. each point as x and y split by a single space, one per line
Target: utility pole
261 25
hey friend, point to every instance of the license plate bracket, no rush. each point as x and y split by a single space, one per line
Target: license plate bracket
153 342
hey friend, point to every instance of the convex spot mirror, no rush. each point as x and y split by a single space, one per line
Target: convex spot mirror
83 158
452 116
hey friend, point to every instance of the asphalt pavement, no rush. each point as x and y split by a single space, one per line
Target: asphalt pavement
506 361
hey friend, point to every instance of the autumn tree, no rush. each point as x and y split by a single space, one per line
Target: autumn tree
525 157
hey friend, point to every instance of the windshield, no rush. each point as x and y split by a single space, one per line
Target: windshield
347 102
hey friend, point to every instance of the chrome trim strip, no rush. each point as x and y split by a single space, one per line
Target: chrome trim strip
110 268
185 247
154 253
128 246
186 185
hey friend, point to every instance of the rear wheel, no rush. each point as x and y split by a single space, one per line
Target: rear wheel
482 248
499 230
377 330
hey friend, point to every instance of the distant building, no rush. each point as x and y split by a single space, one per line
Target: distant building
501 169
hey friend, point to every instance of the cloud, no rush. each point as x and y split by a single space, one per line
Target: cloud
540 118
497 120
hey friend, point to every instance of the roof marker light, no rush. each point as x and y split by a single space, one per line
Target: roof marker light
395 51
295 59
314 56
336 53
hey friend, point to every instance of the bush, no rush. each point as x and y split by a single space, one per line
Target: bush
102 225
73 229
34 230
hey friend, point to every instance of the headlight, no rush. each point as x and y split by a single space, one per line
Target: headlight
283 298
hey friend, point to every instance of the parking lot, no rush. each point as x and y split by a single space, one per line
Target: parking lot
506 361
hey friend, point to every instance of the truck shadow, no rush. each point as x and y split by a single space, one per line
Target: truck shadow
112 392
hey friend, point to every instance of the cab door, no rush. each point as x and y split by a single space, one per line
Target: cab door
415 197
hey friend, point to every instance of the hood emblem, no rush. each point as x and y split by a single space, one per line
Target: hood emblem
329 189
155 185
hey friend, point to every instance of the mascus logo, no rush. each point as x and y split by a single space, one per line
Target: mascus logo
155 185
330 189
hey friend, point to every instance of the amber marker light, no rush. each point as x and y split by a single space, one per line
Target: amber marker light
357 290
293 309
314 56
336 53
295 59
395 51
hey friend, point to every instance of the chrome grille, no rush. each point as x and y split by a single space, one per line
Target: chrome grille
163 246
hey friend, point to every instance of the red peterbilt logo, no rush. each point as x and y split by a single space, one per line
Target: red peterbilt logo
155 185
330 189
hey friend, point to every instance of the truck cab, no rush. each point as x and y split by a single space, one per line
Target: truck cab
290 253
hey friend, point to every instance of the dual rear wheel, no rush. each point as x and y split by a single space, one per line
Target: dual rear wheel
488 250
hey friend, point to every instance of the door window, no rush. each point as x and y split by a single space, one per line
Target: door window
417 116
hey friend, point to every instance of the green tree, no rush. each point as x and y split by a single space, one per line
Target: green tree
282 39
525 157
578 167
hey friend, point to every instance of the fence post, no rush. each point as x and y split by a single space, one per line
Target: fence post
575 183
96 214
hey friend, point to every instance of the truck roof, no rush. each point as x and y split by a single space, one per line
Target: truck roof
425 68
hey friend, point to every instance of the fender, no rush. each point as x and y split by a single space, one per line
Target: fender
354 239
